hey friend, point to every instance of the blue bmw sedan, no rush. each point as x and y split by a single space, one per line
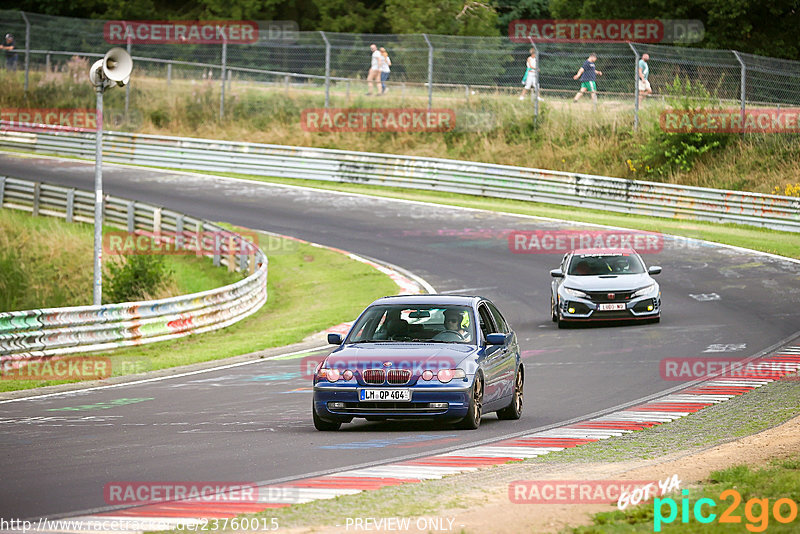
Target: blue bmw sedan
452 358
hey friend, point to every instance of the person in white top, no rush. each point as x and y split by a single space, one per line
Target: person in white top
374 68
531 74
386 63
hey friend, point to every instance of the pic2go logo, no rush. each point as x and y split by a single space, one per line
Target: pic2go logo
783 510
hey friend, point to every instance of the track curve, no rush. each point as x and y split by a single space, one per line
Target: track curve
245 424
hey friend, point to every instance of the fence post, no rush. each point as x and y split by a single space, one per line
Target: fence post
47 62
742 83
27 48
169 73
128 85
535 92
430 71
635 87
222 81
327 69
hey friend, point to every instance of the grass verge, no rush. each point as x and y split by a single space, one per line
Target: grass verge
309 288
46 263
765 486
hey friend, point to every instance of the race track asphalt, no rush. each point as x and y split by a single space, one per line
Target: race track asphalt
253 423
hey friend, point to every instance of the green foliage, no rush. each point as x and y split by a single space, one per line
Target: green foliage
668 152
446 17
138 278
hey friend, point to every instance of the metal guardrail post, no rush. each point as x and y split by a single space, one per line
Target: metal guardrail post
430 71
217 250
327 69
37 192
635 87
222 88
2 189
742 84
131 216
70 205
27 47
179 231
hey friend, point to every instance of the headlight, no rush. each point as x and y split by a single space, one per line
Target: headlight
575 293
645 290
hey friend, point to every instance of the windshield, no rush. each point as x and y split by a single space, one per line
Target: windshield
597 264
429 324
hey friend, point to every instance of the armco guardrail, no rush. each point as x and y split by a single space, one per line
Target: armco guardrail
484 179
48 332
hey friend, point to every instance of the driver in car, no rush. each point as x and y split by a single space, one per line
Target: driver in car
453 330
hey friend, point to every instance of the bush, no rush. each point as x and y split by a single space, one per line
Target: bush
137 278
669 152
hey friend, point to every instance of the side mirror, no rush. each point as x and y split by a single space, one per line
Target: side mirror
556 273
655 269
496 339
335 339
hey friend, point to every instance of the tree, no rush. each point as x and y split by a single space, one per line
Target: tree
443 17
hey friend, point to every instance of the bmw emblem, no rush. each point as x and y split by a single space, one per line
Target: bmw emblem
387 364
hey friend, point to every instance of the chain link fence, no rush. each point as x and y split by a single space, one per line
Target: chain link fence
432 68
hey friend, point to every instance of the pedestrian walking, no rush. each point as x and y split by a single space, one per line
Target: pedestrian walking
588 74
386 64
10 48
531 78
374 74
644 83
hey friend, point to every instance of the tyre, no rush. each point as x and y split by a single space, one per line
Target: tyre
514 410
321 424
553 312
473 418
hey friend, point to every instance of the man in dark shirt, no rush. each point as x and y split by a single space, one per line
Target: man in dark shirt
11 53
588 75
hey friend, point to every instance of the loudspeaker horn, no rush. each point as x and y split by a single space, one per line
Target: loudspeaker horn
117 66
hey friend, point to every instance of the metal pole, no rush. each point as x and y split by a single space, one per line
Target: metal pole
742 83
27 48
128 85
430 71
98 199
635 87
327 69
169 73
222 81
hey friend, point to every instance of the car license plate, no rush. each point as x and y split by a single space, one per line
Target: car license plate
611 307
384 395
